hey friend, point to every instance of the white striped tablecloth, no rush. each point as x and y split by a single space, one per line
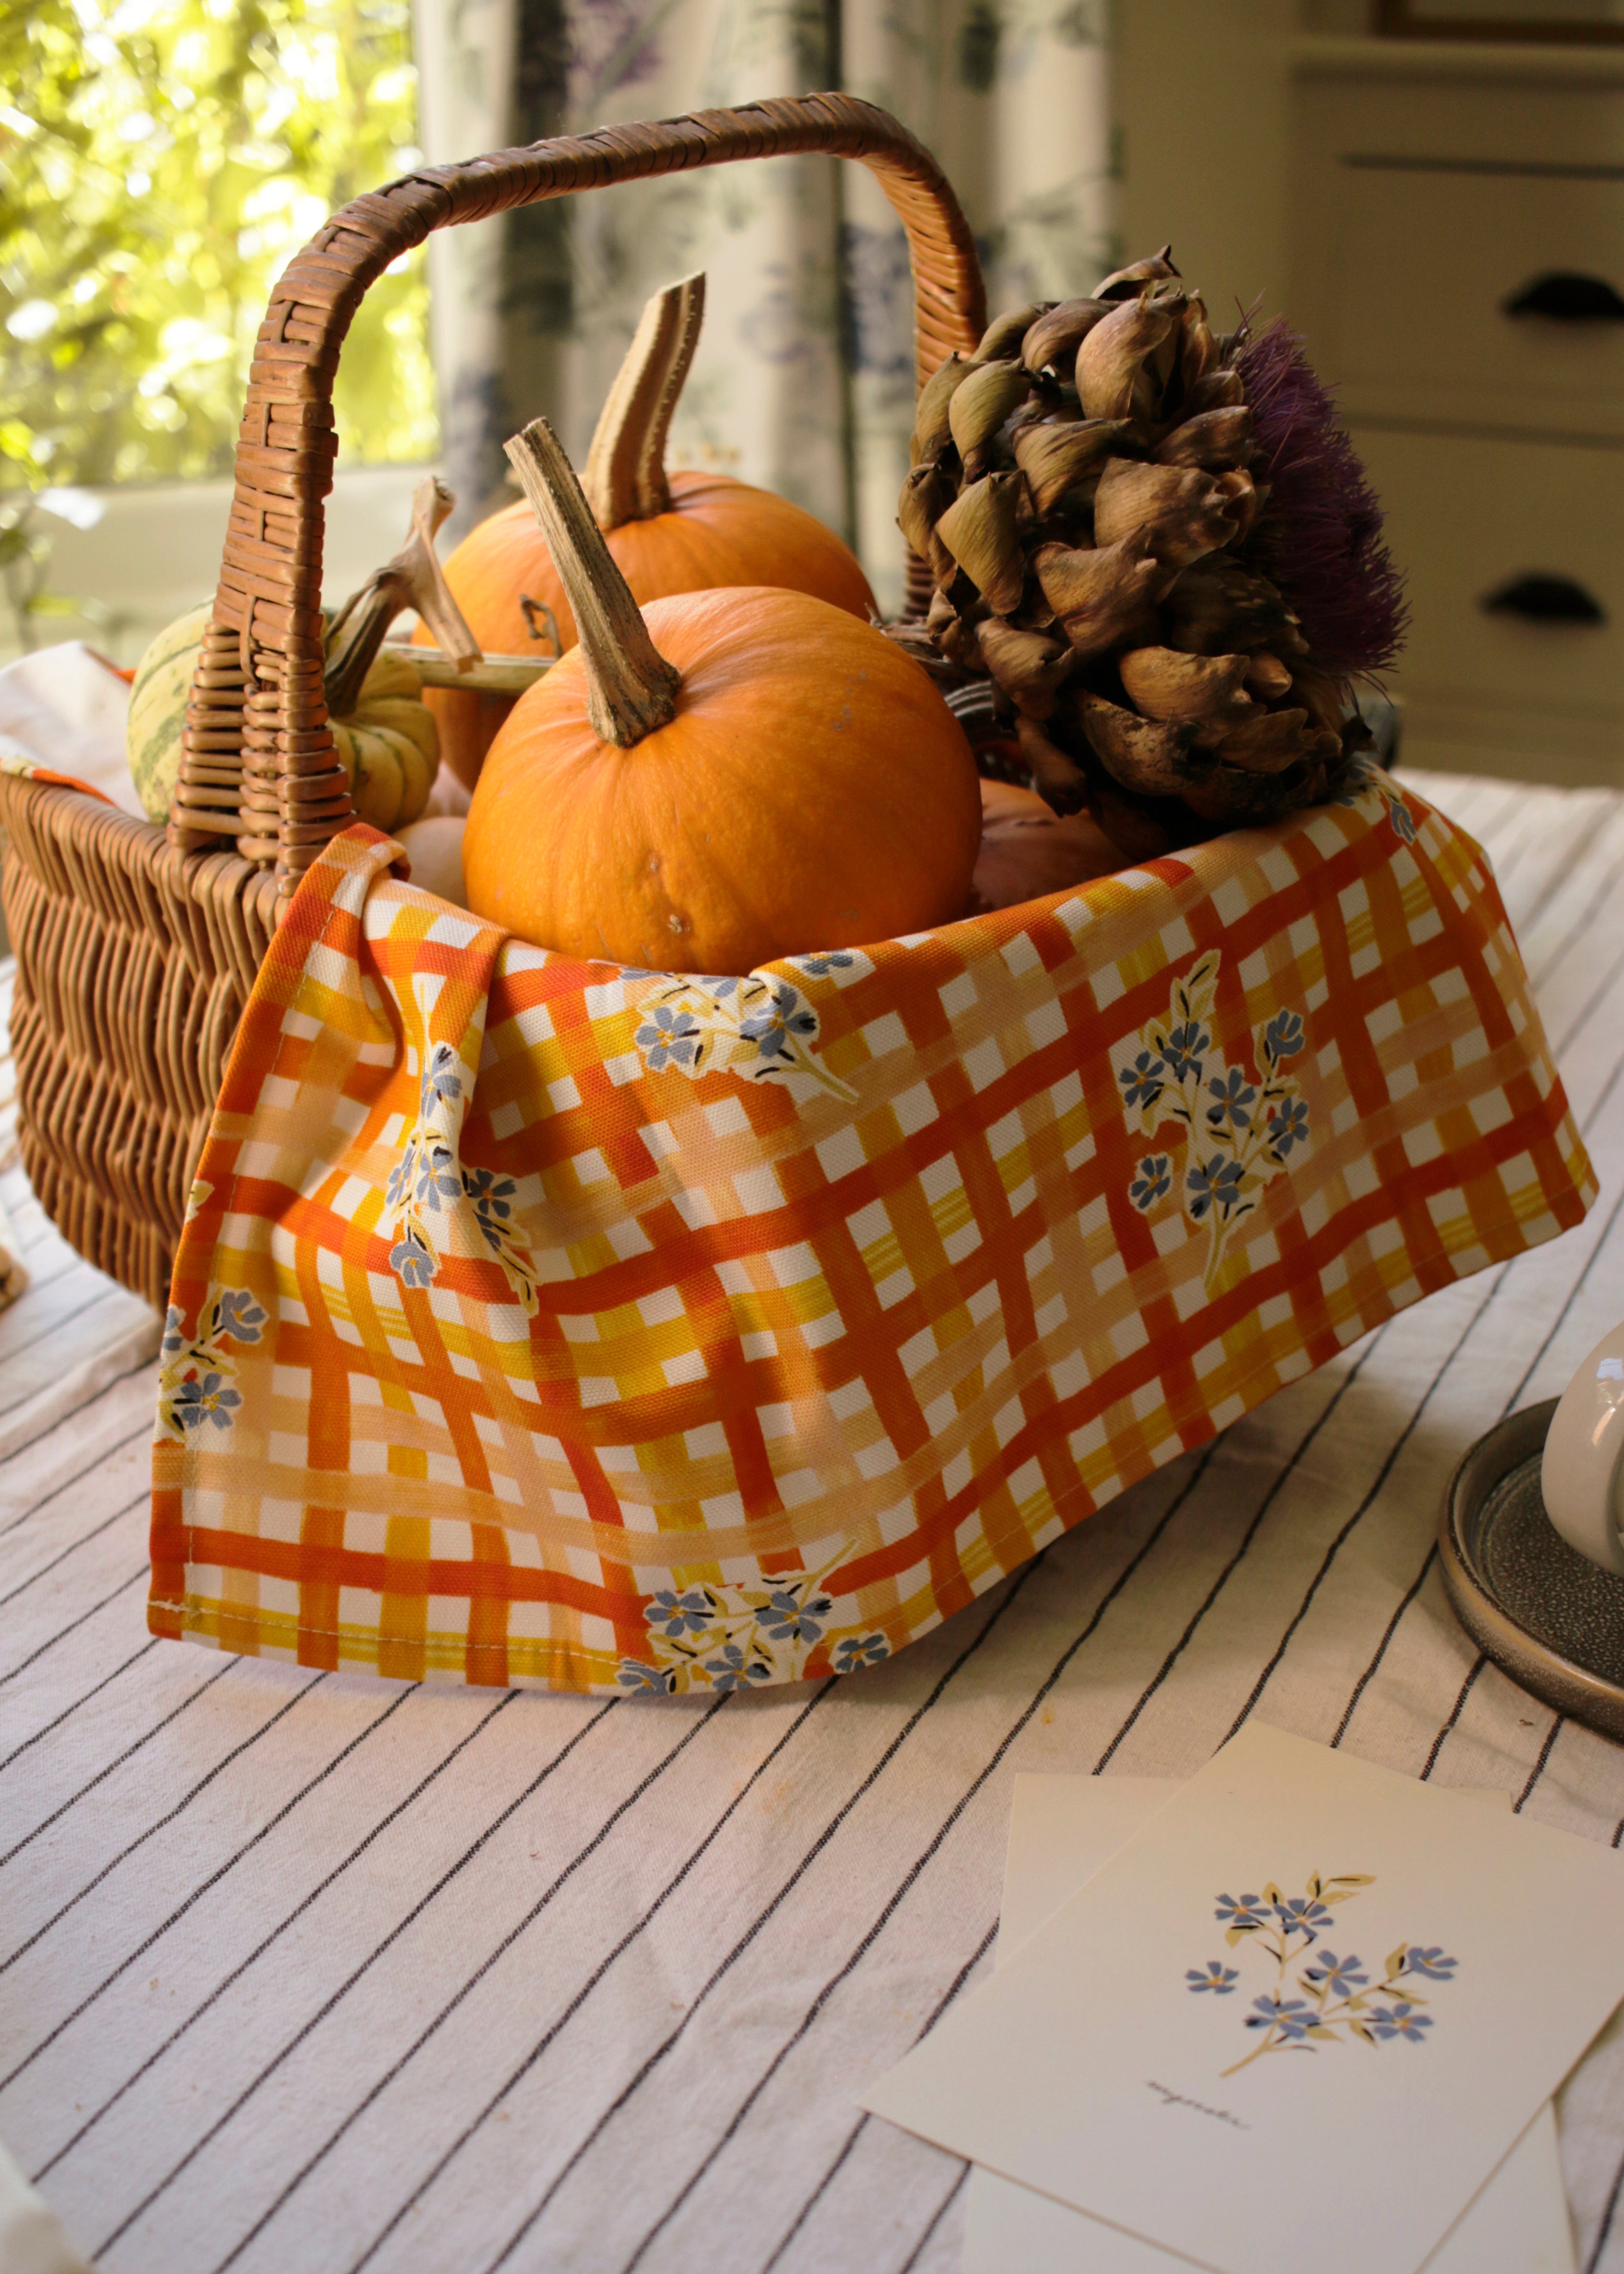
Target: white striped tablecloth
312 1972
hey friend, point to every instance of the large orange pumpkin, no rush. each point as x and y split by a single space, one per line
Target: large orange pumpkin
805 785
677 532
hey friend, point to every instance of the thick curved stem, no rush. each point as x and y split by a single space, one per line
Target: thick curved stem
625 476
413 579
631 688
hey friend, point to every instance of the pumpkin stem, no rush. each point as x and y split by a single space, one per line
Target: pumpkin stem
631 688
413 579
625 476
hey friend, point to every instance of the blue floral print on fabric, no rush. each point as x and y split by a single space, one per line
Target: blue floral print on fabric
758 1028
197 1373
1239 1128
854 1651
428 1186
668 1038
709 1636
1362 778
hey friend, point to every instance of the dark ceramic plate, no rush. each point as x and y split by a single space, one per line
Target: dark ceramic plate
1552 1620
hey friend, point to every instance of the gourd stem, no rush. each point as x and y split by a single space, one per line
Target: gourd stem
631 688
625 475
413 579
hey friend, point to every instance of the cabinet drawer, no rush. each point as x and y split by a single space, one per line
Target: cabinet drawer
1423 256
1465 518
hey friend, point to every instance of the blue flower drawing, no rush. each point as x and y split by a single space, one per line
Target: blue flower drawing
1153 1182
493 1197
1213 1975
426 1190
758 1028
1301 1915
1340 1976
776 1028
668 1038
1139 1080
690 1613
1288 1126
1399 2021
238 1314
1291 2017
1327 2001
729 1637
438 1177
735 1669
196 1381
787 1619
1234 1094
439 1085
642 1681
1213 1183
207 1400
413 1262
1360 777
1186 1049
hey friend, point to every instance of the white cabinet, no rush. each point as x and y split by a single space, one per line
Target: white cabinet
1436 188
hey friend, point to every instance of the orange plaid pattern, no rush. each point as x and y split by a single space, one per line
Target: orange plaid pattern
537 1321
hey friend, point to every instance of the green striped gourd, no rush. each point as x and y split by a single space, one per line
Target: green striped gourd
388 747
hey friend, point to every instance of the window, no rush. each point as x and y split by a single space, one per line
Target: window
159 162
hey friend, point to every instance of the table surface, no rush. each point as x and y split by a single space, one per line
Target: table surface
316 1972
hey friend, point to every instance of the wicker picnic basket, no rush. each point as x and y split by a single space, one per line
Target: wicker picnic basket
137 946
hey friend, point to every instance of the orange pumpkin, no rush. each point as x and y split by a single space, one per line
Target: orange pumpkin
679 532
1029 850
735 776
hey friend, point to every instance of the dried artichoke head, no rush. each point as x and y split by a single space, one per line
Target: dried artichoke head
1100 494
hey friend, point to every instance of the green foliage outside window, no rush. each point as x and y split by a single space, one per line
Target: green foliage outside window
160 162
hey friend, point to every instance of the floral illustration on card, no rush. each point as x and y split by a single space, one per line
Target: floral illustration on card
708 1636
428 1182
1236 1129
758 1028
197 1376
1309 1995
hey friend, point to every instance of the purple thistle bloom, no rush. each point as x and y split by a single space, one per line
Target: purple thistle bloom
1320 537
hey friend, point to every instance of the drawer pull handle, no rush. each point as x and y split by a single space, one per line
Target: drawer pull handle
1569 298
1546 600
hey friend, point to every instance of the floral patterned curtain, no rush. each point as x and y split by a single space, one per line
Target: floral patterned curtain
804 377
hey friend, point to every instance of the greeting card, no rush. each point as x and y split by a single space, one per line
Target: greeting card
1300 2016
1062 1830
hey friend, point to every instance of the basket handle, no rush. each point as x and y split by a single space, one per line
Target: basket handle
257 760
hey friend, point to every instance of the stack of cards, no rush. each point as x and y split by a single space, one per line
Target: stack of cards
1297 2011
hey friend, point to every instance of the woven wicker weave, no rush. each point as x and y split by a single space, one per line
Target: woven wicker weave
136 947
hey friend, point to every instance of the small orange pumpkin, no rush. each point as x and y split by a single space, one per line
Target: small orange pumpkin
772 776
679 532
1028 851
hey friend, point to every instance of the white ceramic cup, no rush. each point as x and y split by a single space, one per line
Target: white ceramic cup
1582 1475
